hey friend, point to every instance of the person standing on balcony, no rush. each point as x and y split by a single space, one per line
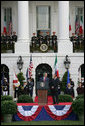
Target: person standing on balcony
54 41
34 40
14 37
47 39
40 38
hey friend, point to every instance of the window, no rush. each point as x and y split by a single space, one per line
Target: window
7 18
79 19
43 19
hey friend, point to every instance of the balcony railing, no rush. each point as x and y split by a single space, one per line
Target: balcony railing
43 44
37 46
78 43
7 44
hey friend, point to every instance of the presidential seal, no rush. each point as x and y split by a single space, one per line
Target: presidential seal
42 84
43 47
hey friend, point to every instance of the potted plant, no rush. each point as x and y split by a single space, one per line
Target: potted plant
8 108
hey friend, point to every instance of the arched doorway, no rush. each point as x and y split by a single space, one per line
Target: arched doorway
81 73
5 72
42 68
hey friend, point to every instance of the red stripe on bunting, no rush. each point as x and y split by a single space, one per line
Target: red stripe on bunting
55 117
15 81
30 118
26 104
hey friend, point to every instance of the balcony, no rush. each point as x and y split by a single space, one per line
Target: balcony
43 44
78 44
8 43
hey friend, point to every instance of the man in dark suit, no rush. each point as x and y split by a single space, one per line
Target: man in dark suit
30 83
44 78
47 39
34 40
14 37
54 41
69 90
26 87
40 38
54 88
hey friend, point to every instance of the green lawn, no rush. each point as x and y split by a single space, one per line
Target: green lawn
62 122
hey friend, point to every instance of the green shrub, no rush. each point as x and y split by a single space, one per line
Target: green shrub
20 78
78 106
8 97
25 99
65 98
64 81
8 107
80 96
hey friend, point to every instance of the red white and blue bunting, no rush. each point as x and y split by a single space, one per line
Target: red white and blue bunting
35 112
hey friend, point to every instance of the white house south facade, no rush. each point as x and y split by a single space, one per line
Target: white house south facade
30 17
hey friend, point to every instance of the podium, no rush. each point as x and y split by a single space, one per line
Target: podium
42 88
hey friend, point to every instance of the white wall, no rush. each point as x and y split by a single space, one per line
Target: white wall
39 58
11 59
32 11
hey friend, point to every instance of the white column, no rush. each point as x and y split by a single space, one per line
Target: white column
64 43
22 45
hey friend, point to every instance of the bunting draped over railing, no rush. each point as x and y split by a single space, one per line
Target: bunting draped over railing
47 112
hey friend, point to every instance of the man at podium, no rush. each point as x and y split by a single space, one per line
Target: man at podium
42 87
44 78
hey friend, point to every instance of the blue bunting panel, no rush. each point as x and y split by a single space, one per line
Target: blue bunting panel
47 112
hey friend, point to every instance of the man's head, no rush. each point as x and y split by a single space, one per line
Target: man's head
70 79
55 75
24 82
69 85
14 33
33 34
45 74
41 33
53 33
73 34
80 84
5 79
47 33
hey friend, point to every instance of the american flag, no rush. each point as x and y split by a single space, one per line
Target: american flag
76 25
29 69
10 28
16 82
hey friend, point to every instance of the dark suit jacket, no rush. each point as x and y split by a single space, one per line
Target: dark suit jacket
46 79
69 91
54 83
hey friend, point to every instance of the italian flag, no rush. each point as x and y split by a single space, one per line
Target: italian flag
16 82
81 26
69 24
69 27
56 67
4 29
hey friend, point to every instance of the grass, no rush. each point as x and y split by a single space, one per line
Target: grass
62 122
